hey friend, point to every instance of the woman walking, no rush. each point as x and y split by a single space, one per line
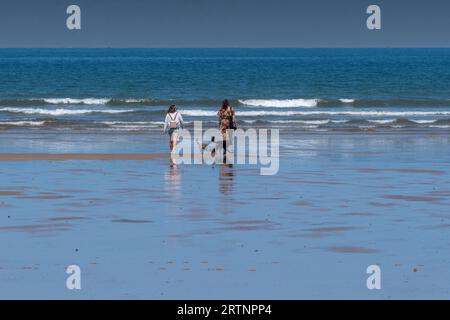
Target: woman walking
172 124
227 122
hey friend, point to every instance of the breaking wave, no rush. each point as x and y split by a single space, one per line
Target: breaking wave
289 103
59 112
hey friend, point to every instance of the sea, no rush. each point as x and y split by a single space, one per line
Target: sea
121 90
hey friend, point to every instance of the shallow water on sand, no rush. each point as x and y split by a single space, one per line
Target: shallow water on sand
145 229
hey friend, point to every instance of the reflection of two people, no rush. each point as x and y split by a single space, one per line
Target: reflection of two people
226 184
212 152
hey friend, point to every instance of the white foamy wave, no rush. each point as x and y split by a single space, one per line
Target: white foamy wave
313 122
366 127
289 103
133 125
135 100
385 121
340 121
317 122
129 128
59 112
136 123
199 113
347 100
423 121
206 113
346 113
77 101
23 123
440 126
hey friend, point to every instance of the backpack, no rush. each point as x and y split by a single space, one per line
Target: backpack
173 124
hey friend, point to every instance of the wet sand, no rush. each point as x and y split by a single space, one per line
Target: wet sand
148 229
77 156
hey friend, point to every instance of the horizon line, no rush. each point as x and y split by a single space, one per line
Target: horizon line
222 48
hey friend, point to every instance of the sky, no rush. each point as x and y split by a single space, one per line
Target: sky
224 23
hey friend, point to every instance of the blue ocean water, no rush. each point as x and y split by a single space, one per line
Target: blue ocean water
129 89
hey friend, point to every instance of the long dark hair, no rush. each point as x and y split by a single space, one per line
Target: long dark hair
172 109
225 104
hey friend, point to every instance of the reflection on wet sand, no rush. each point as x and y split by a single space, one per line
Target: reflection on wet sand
226 187
172 179
78 156
130 221
35 229
226 179
419 198
9 193
67 218
351 249
229 218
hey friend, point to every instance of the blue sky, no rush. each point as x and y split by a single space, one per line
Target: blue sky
224 23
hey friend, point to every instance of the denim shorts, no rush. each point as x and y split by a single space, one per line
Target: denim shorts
173 131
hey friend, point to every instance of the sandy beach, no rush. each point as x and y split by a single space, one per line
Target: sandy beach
141 228
78 156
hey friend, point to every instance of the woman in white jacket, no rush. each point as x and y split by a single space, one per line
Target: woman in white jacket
172 124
